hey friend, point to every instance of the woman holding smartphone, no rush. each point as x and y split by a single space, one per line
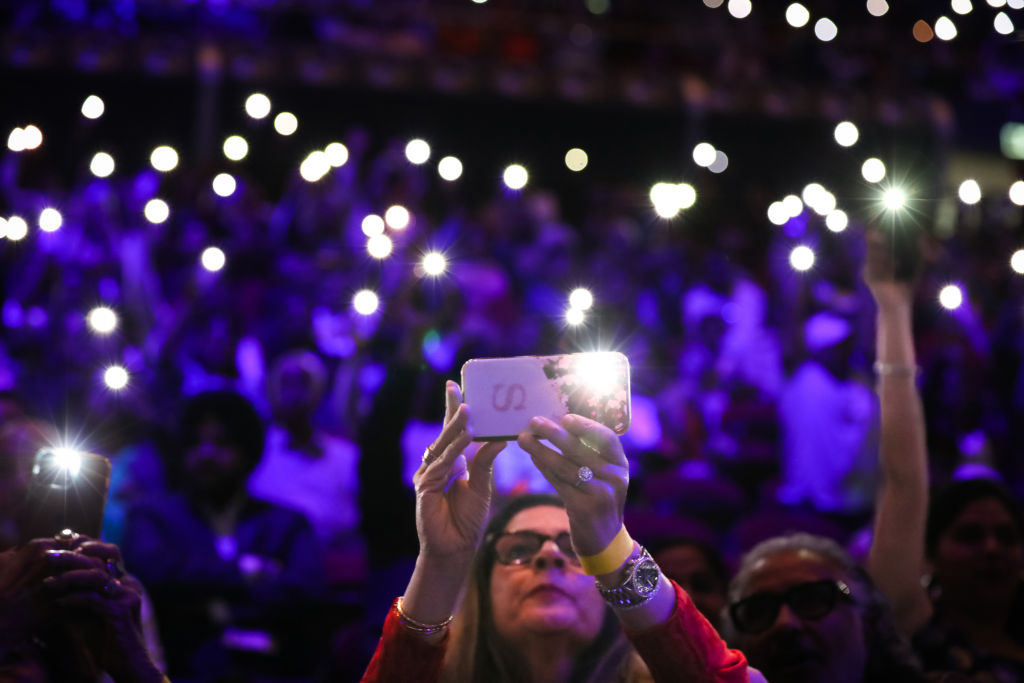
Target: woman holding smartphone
553 588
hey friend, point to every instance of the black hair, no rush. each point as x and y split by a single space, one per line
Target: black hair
950 502
234 413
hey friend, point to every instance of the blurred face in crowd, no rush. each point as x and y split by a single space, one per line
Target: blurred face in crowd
979 558
686 565
815 639
296 393
214 464
547 593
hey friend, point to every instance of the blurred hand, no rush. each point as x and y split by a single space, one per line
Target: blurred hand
91 582
880 271
22 603
595 508
453 488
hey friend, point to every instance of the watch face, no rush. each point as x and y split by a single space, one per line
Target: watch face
646 577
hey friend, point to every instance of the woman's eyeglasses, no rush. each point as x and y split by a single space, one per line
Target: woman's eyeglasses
519 547
813 600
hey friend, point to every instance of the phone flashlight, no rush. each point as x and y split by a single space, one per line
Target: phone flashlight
68 490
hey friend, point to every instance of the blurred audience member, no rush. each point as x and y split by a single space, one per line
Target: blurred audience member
230 575
304 467
699 569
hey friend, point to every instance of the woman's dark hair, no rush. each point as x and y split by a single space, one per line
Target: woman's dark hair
950 502
491 661
241 422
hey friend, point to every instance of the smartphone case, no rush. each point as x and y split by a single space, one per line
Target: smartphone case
504 393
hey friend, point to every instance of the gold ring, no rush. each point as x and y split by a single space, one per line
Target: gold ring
428 455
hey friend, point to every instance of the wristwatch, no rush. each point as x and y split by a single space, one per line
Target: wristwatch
641 583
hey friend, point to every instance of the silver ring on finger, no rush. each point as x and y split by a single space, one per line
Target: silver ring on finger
429 455
583 475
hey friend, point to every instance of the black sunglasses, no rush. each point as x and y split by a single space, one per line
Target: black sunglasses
519 547
813 600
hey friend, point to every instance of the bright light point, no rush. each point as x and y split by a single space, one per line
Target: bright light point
825 29
1003 24
720 163
337 154
576 159
1017 261
164 158
793 205
951 297
704 154
877 8
801 258
740 8
797 15
945 29
285 123
17 228
685 195
365 302
68 460
575 316
115 377
314 167
962 6
449 168
373 225
417 151
33 137
813 192
102 165
434 263
846 134
713 4
996 3
1017 193
224 184
156 211
93 107
50 219
873 170
778 214
102 320
825 203
257 105
837 221
894 199
213 259
397 217
235 148
969 191
515 177
1015 4
16 140
581 298
379 246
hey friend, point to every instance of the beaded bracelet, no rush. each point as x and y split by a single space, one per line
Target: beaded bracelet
896 369
419 627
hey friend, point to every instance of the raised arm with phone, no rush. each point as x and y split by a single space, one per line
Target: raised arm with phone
552 588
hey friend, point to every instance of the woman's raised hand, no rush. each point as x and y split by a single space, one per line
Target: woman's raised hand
453 486
591 475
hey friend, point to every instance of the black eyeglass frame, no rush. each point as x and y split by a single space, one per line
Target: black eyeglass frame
840 592
562 541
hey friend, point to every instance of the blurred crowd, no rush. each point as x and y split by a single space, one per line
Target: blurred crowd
264 447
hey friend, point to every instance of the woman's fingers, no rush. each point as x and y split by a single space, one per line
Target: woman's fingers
452 399
452 428
556 468
598 437
482 465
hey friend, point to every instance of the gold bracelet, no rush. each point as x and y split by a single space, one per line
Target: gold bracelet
611 558
418 626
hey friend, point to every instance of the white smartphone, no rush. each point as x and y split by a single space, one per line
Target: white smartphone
504 393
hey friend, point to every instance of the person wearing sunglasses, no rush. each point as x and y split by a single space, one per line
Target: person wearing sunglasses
551 588
802 610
